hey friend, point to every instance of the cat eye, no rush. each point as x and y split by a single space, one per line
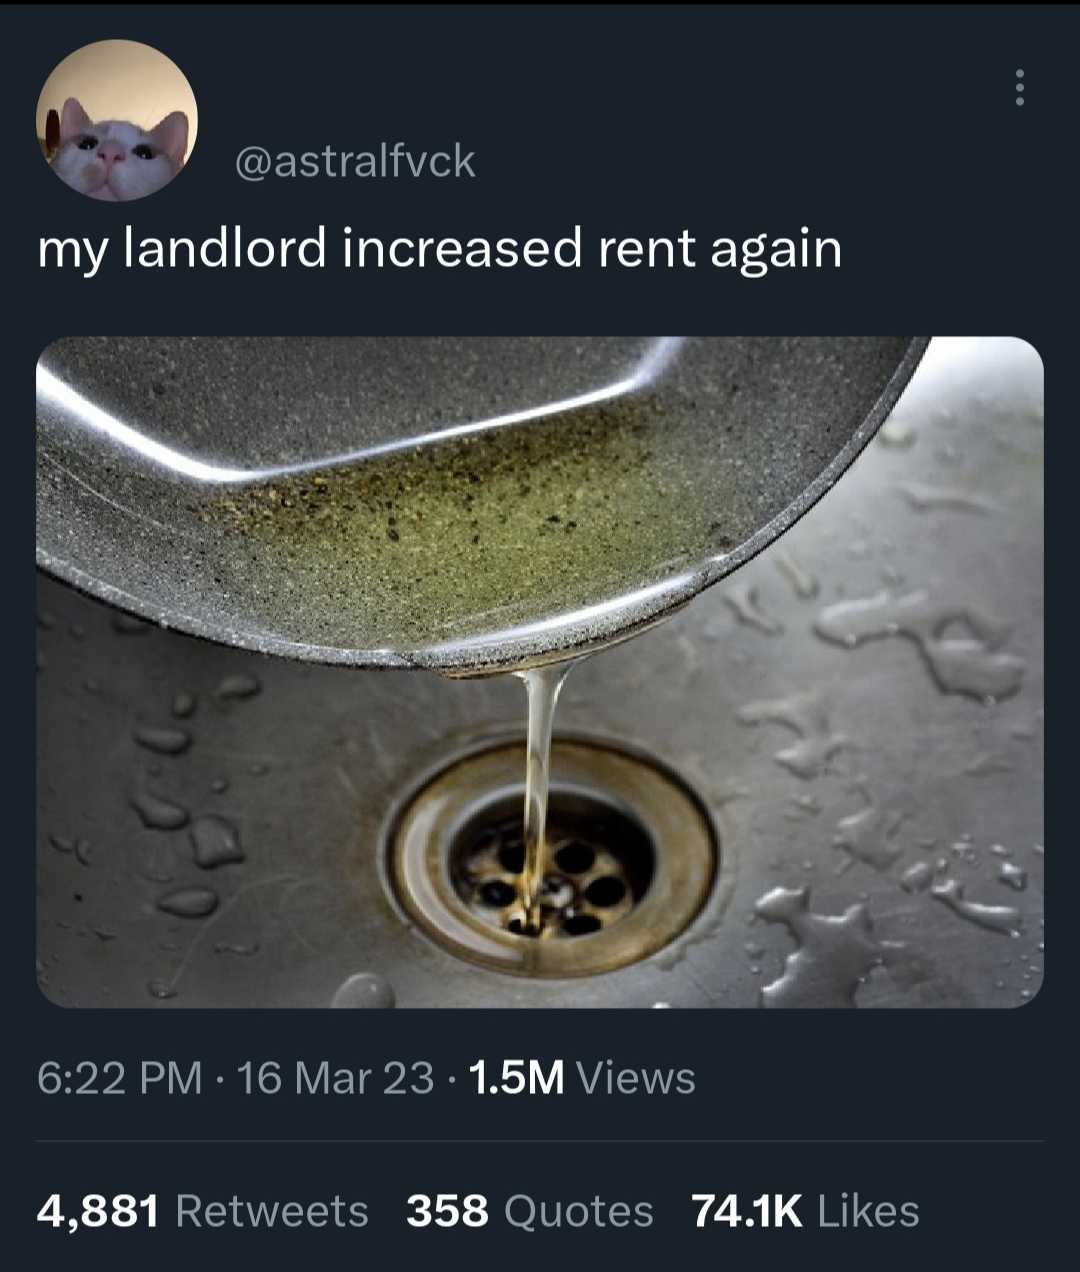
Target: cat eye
88 143
143 152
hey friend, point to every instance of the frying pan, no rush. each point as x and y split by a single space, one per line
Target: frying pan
459 503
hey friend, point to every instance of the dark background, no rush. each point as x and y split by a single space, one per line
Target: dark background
890 128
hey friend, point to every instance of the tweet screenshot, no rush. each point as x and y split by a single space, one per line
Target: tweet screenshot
504 786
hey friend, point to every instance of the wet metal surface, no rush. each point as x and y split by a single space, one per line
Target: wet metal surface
860 708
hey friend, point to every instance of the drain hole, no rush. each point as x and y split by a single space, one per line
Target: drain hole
575 858
605 892
581 925
497 894
512 857
601 866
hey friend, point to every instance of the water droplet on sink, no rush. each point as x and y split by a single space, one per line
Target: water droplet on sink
161 989
1013 875
996 918
215 841
896 433
971 665
239 686
157 813
807 715
835 954
869 836
925 498
800 807
189 903
803 583
164 739
183 705
742 598
918 877
365 989
964 851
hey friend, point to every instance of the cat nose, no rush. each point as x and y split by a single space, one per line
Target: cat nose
110 152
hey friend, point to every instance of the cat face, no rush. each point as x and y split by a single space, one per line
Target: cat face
116 160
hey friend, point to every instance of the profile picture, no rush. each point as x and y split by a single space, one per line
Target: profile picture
116 120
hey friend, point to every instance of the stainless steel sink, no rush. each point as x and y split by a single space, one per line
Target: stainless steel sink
859 708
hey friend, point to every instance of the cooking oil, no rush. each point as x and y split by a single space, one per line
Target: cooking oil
542 684
480 533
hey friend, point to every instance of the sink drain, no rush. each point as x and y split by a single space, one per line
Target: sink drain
601 861
632 856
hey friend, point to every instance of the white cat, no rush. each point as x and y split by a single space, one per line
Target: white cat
116 160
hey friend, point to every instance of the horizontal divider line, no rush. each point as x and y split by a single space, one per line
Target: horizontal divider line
516 1140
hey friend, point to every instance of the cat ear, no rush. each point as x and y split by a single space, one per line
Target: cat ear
74 121
171 136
